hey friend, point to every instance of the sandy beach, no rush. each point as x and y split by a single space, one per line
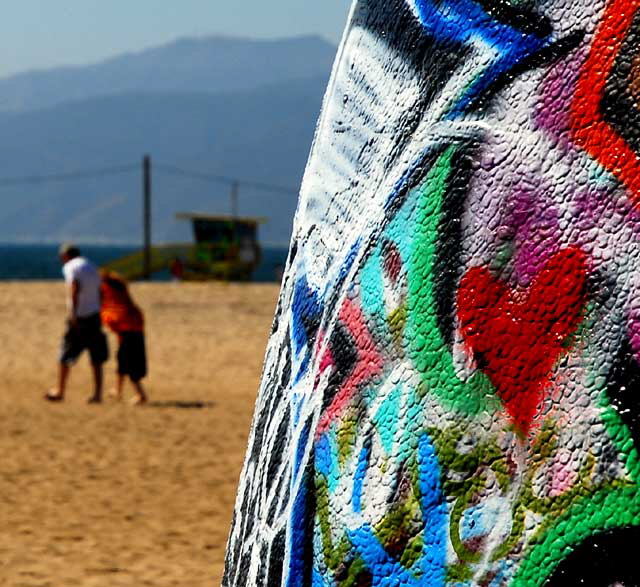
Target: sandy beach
114 495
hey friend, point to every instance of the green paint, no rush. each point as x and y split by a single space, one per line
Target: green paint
397 321
402 523
346 439
584 511
459 573
472 487
504 254
568 518
335 473
593 510
427 349
610 507
413 552
333 556
354 574
621 436
322 520
543 452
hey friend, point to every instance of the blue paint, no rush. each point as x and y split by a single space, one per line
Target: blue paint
400 229
306 311
401 184
323 456
358 480
335 476
297 529
386 571
479 520
434 514
471 525
300 450
299 517
298 401
504 572
303 367
386 420
305 307
317 579
326 449
463 21
371 287
351 257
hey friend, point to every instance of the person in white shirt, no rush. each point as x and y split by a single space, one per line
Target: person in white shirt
84 328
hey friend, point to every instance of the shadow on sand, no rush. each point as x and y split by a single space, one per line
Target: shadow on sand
179 404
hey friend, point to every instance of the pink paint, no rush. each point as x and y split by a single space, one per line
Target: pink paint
558 89
600 206
537 237
326 360
368 365
563 476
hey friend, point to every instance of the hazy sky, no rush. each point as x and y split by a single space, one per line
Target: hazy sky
38 34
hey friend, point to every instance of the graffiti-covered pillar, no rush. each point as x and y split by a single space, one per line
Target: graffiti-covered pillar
451 389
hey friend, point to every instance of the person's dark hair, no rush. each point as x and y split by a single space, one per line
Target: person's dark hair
118 284
69 250
114 281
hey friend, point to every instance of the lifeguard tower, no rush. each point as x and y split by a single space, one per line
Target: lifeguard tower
225 248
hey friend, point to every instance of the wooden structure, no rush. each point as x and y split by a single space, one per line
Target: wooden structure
224 248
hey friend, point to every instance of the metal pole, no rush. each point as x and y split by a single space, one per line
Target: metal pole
235 189
146 188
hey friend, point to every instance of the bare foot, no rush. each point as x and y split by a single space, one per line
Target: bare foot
54 395
115 394
139 400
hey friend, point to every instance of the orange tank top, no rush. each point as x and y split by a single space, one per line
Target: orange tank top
118 312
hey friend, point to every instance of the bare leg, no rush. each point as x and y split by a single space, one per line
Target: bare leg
141 396
57 394
96 398
117 390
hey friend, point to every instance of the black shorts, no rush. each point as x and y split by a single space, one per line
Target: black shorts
132 356
86 334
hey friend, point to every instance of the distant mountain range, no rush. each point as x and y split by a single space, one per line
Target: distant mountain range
233 107
209 64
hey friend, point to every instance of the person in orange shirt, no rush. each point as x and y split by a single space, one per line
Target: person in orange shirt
120 313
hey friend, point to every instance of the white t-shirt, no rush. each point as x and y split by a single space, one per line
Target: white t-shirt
86 274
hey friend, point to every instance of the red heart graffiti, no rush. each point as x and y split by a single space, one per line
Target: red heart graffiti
516 335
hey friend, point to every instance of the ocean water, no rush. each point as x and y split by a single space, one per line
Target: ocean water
36 262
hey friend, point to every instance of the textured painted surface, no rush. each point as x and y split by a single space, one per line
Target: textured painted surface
450 393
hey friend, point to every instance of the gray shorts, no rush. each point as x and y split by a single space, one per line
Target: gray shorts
86 334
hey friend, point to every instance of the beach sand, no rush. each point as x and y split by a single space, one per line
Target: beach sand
114 495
